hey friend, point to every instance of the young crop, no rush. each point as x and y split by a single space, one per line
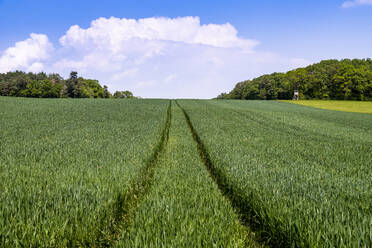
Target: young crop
188 173
184 208
66 167
301 176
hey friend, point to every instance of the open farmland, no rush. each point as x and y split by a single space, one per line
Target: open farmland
300 176
68 167
347 106
185 173
184 207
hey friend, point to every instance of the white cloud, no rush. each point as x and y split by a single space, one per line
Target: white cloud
349 4
153 57
114 32
26 55
35 67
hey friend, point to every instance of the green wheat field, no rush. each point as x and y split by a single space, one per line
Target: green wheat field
183 173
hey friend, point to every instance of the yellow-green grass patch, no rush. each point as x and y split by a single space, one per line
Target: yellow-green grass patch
347 106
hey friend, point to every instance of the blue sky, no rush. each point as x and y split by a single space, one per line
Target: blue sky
287 34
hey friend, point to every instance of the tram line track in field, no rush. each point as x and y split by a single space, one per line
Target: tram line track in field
233 194
127 203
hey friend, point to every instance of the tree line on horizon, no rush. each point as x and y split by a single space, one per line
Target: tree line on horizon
329 80
42 85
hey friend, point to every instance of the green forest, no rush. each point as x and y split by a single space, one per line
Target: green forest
329 80
42 85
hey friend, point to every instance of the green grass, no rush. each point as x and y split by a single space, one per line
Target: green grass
199 173
184 208
348 106
301 175
66 165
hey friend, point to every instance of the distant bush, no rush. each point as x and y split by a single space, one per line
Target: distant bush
123 94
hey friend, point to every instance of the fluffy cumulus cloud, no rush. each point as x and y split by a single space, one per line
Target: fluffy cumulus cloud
154 57
115 32
349 4
27 55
